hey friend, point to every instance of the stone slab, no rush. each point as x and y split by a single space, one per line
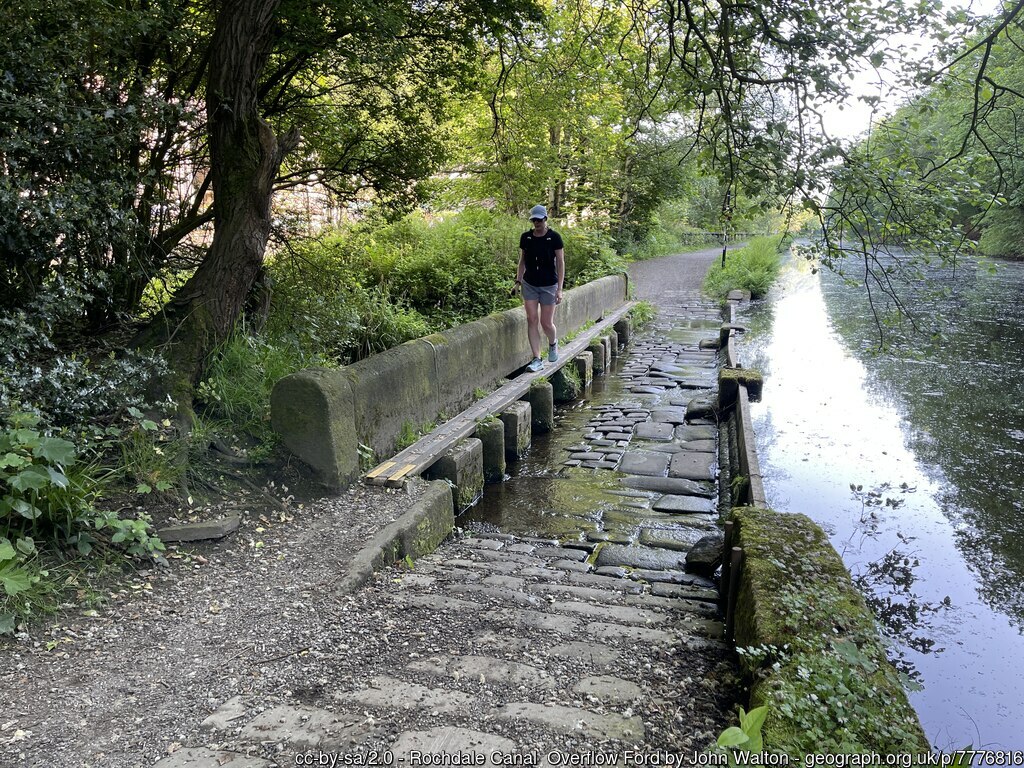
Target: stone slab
688 432
305 728
609 689
594 653
603 630
679 539
654 431
454 742
644 463
683 505
691 465
641 557
575 720
673 485
669 415
210 529
545 622
390 693
487 669
200 757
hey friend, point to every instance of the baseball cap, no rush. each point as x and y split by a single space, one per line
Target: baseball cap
538 212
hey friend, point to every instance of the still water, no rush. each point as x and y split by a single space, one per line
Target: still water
932 441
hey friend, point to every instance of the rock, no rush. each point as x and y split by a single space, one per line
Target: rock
706 555
210 529
640 557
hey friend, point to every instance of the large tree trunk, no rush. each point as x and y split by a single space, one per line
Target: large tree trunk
245 156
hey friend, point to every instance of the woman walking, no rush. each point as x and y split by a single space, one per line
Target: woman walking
541 274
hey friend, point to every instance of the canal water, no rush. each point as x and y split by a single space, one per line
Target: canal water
913 462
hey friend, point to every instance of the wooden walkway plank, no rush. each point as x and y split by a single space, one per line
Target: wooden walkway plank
420 455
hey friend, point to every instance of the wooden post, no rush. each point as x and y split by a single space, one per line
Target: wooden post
735 563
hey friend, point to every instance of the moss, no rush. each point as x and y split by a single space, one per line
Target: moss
730 378
811 645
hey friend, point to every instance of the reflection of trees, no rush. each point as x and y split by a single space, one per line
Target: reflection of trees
960 395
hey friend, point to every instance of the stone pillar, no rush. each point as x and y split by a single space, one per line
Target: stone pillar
584 363
491 433
614 338
566 386
462 465
542 406
596 349
624 328
516 418
606 342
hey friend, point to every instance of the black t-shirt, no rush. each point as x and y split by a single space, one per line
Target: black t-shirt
540 257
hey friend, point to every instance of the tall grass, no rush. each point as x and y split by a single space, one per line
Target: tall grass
753 268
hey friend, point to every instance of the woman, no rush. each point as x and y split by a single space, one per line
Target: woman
541 274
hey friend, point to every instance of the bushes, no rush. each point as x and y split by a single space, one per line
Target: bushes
371 287
753 268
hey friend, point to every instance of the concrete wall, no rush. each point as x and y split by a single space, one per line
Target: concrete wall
324 415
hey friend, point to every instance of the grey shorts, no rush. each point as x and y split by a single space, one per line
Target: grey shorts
545 294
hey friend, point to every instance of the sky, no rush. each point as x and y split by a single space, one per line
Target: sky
853 118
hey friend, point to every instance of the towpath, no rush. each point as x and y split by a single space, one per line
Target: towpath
495 649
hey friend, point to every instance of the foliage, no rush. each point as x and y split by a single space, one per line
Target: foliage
752 268
642 313
746 737
370 287
67 387
242 376
49 496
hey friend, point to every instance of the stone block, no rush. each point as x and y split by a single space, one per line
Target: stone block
706 555
691 465
624 329
491 434
584 363
462 466
597 350
516 418
313 412
542 406
210 529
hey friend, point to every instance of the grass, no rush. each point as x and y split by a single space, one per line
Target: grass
752 268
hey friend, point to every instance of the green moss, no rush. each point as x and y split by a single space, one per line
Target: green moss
730 378
811 646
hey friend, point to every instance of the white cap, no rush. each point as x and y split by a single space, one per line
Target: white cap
538 212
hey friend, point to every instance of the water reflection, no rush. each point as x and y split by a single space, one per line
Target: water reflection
940 434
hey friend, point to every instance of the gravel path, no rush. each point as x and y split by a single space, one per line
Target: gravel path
248 652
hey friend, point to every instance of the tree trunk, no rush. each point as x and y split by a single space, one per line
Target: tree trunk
245 156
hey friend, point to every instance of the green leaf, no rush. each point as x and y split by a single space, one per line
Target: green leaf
26 545
15 579
732 737
33 478
6 623
13 460
26 510
55 450
58 478
143 488
6 551
149 425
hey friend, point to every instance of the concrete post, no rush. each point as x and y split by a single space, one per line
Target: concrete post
462 465
492 434
542 406
614 337
516 418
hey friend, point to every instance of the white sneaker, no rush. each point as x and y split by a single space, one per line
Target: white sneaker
535 365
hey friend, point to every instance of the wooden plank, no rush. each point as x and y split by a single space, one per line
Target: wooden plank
420 455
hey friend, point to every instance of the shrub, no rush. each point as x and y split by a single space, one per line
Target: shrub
753 268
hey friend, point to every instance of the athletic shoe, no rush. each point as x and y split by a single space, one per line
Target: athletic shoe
535 365
553 353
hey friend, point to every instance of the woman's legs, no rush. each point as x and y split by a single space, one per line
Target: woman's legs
547 323
533 312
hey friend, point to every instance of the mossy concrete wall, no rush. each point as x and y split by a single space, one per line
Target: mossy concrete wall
818 661
323 415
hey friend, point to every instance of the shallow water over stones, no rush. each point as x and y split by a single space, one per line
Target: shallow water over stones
632 465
